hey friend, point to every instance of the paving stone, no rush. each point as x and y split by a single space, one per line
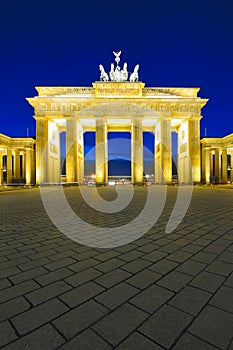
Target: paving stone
107 255
163 266
43 294
147 248
7 333
190 300
192 248
60 263
132 255
53 276
10 271
154 256
166 325
220 268
80 318
204 257
38 316
45 337
179 256
170 248
27 275
12 308
116 326
143 279
83 277
229 281
213 326
113 277
151 298
137 341
117 295
109 265
136 265
17 290
189 342
83 265
81 294
87 340
207 281
4 283
223 299
191 267
11 263
174 281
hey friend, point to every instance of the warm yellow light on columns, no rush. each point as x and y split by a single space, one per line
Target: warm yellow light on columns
136 151
16 164
29 166
9 166
101 163
206 165
194 149
71 150
41 151
224 165
217 169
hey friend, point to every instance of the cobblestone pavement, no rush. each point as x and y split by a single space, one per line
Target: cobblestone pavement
163 291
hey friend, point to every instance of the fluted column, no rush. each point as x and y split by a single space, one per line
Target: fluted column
205 165
1 168
211 166
217 170
224 165
16 164
41 151
80 149
136 151
194 149
163 152
231 166
101 163
29 166
71 150
9 166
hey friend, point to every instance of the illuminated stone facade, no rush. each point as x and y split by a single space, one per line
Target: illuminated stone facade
17 160
117 106
217 159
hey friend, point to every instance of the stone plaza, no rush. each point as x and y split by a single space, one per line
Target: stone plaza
161 291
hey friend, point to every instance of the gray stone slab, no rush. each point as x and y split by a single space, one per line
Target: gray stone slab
45 338
38 316
214 326
81 294
174 281
117 295
220 268
13 307
166 326
223 299
143 279
80 318
137 341
151 298
7 333
87 340
190 300
113 277
189 342
207 281
116 326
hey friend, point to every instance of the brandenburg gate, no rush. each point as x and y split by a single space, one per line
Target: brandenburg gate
117 102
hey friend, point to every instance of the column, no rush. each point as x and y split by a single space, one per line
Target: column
163 153
80 149
194 149
205 165
41 151
1 168
217 172
231 166
29 169
211 166
136 151
101 163
9 166
71 150
224 165
16 164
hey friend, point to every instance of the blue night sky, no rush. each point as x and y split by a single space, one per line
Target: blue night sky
178 43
